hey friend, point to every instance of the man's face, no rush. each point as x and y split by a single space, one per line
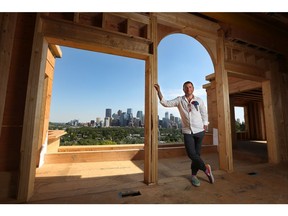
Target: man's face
188 89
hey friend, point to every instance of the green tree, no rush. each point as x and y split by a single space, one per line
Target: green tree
239 126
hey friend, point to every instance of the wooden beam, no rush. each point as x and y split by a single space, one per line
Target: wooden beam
7 26
241 85
245 71
31 122
210 77
189 22
201 29
56 50
223 109
250 52
151 114
243 26
94 39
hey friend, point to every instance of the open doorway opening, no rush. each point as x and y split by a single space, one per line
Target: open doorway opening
85 86
239 119
181 58
92 102
250 141
92 99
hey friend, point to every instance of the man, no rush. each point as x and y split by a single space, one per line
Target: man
194 119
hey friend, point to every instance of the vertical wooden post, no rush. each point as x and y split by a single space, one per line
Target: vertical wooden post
223 108
273 154
283 142
76 17
31 123
46 101
151 119
7 26
233 125
262 121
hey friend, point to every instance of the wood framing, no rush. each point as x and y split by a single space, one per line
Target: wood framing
52 53
7 24
223 108
273 154
31 125
249 53
95 39
151 117
241 26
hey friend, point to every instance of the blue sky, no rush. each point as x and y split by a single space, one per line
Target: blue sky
86 83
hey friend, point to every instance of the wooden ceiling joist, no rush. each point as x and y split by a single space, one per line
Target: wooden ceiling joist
248 96
246 27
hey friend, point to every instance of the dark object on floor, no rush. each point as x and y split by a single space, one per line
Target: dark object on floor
129 193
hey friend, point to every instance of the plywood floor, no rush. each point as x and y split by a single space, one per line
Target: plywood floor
121 182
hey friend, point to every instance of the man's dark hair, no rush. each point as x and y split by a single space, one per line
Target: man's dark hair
188 82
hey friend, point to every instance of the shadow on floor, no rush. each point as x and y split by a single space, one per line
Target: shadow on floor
106 182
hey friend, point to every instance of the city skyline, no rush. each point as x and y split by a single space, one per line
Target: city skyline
101 118
126 119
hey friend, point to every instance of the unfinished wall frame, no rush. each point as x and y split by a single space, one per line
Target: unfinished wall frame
256 68
254 75
136 35
94 41
43 36
69 34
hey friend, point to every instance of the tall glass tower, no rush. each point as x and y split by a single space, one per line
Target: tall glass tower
140 115
166 115
129 111
108 113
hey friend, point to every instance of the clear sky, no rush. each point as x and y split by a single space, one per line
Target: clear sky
86 83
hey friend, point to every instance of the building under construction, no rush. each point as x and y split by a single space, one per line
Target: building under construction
249 52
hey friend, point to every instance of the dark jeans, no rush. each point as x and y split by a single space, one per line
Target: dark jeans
193 143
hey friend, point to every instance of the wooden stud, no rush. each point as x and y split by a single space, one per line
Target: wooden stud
283 147
76 17
223 109
45 108
151 117
233 126
8 25
278 82
135 16
273 154
31 123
